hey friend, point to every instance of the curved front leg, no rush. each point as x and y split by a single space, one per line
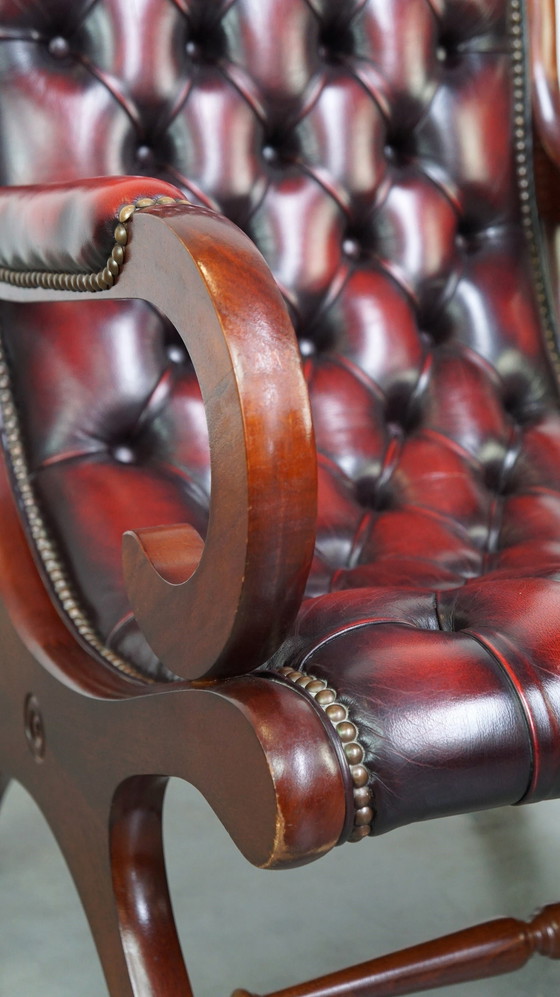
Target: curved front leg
95 751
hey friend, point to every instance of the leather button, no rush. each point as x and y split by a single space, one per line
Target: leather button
270 153
123 454
192 49
145 156
395 150
448 52
351 248
176 354
59 47
467 240
307 348
336 42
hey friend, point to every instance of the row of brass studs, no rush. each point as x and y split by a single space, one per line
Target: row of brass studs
338 714
525 182
100 280
44 544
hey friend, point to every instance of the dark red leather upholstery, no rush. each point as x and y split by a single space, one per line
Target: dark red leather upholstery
368 148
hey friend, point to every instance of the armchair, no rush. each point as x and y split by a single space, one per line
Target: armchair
336 608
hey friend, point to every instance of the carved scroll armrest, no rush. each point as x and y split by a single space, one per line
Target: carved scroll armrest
218 607
542 17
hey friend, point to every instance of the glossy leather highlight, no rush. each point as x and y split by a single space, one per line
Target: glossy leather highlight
367 148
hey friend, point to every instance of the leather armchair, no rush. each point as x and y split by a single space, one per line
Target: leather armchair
336 607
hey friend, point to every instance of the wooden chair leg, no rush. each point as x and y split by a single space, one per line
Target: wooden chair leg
123 857
94 751
486 950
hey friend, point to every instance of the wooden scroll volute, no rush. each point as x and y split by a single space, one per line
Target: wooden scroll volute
223 606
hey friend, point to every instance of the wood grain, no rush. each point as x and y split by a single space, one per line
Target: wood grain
223 607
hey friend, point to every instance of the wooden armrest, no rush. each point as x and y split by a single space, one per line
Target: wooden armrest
544 74
221 607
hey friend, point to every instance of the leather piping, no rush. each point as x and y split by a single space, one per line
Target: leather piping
523 150
100 280
352 753
51 564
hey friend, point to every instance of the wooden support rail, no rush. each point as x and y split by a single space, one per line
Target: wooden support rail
486 950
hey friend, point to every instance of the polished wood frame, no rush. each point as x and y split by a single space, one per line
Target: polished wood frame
79 736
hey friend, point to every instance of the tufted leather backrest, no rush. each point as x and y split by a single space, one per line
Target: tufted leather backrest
369 149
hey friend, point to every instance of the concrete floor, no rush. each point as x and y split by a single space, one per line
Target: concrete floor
263 930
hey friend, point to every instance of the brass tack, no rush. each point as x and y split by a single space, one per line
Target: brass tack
292 675
359 833
113 266
145 202
108 277
164 199
100 281
303 681
126 212
363 816
354 753
118 254
91 282
346 731
285 670
325 697
362 796
360 775
84 630
121 235
336 712
315 686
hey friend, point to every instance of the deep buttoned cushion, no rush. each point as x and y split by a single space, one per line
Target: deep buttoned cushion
368 149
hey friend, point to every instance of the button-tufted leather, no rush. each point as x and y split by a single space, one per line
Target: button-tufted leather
367 146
